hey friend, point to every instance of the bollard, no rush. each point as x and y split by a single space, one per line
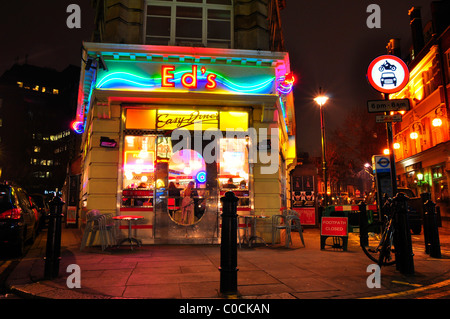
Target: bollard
53 249
228 246
434 246
363 225
426 230
402 236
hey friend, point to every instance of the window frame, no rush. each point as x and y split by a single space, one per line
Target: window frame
173 39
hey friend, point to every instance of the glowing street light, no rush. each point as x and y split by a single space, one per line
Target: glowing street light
321 100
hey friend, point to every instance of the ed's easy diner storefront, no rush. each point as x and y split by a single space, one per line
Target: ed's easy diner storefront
182 118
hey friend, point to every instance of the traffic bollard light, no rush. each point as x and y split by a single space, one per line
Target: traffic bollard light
53 249
363 225
426 230
228 246
434 246
403 246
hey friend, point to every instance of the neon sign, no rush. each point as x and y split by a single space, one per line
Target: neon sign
189 80
78 127
201 177
139 161
182 77
173 119
286 83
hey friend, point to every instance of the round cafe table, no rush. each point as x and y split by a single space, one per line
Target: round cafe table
130 239
252 219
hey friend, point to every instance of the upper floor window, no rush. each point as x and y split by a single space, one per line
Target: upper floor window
190 23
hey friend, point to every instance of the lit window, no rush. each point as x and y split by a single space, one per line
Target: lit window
233 161
36 88
55 91
190 23
37 149
43 89
20 84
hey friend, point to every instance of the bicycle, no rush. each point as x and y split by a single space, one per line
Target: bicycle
381 249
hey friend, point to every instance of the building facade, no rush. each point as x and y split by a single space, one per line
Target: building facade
37 106
422 140
179 102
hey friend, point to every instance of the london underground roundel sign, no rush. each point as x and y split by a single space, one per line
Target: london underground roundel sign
388 74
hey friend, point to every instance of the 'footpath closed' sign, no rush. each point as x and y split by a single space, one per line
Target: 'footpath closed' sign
334 226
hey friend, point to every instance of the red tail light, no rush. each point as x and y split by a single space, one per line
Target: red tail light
14 213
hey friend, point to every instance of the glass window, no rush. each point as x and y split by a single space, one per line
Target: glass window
233 162
189 22
186 189
234 168
157 26
138 170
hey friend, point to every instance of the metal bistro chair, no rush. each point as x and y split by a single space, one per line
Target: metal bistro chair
108 230
101 224
288 220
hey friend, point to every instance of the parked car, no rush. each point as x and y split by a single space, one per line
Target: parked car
43 208
19 218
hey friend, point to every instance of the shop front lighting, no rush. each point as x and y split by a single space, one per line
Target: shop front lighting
436 122
77 126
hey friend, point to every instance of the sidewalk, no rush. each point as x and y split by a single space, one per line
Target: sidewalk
191 272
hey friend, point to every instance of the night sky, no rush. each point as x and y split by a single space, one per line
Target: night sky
329 44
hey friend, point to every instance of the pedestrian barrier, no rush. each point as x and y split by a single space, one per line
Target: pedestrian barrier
349 215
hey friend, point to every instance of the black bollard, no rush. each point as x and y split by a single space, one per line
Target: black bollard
363 225
53 249
433 233
228 246
403 246
426 228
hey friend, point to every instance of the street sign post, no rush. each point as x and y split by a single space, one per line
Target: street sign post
378 106
388 74
388 118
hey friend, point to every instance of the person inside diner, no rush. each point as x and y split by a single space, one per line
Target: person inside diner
229 184
175 193
187 205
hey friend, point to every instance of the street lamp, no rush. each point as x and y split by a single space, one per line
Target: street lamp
321 100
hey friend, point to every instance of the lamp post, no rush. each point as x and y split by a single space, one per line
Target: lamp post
321 100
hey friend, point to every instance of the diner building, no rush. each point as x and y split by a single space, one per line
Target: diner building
166 125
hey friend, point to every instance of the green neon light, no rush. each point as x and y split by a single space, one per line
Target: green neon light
132 81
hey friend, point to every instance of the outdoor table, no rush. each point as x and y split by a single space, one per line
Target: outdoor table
252 219
130 239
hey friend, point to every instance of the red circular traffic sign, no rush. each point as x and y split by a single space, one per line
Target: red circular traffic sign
388 74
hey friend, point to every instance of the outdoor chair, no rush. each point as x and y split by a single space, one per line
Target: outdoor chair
288 221
99 224
108 230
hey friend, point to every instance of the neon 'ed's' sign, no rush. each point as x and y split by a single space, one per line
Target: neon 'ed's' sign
189 80
178 77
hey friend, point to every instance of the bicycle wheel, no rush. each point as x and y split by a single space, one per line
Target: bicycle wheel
379 248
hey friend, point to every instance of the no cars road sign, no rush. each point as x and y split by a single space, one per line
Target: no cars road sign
388 74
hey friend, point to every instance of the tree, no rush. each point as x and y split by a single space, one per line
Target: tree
353 144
